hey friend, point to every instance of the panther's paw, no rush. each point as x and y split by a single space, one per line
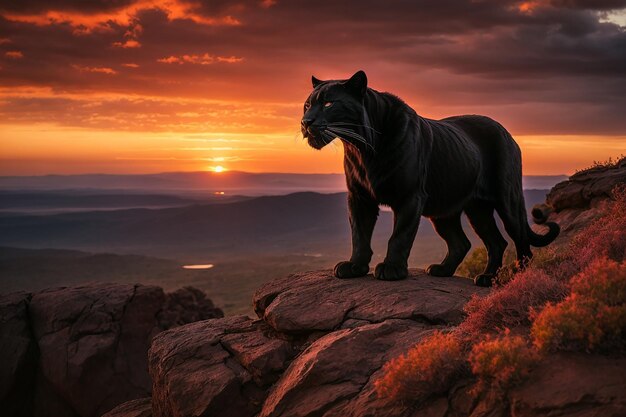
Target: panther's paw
483 280
439 270
390 272
347 269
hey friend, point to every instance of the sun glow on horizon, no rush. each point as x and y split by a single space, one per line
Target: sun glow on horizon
218 169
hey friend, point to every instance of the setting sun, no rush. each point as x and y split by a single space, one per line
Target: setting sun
218 169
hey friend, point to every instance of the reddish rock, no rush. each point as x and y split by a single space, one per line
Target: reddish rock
324 345
187 305
18 351
575 203
585 186
319 301
215 367
141 407
93 342
335 375
573 385
81 351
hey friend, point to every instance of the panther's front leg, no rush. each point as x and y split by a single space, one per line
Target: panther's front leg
363 212
406 219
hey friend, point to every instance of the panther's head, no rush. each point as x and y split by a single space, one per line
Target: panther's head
335 109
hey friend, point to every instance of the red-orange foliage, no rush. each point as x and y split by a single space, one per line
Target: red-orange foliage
426 369
510 305
606 236
592 316
502 361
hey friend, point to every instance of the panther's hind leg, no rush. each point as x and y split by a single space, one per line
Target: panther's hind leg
513 215
480 215
450 229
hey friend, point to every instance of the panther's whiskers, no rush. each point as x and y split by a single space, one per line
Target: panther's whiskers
350 134
353 124
327 137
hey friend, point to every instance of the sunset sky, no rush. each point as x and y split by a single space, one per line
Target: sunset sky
138 86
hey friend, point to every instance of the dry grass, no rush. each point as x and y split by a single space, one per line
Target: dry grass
609 163
573 299
426 369
592 317
501 362
510 305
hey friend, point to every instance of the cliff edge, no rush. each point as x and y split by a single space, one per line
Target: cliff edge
80 351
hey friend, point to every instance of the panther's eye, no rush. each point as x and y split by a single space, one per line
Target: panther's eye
328 104
307 105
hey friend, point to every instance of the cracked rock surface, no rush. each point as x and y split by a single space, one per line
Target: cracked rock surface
80 351
320 344
581 199
319 301
317 348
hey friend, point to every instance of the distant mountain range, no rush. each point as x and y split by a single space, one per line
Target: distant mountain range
231 182
305 222
248 240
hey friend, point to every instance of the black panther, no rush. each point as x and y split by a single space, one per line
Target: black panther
421 167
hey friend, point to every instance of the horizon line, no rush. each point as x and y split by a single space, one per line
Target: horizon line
215 174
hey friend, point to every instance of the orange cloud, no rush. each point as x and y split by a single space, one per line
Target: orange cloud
204 59
131 65
130 43
14 54
88 21
229 59
102 70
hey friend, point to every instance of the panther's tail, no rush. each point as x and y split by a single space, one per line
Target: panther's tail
540 216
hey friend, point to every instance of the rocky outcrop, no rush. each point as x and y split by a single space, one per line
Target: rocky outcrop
317 301
565 384
575 203
18 353
573 385
209 367
320 344
141 407
80 351
317 348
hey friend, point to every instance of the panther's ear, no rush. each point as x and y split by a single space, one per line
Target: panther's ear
357 84
315 81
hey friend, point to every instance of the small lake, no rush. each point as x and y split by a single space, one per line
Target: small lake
198 266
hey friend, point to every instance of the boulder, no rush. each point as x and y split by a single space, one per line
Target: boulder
575 203
93 342
319 301
186 305
573 385
80 351
215 367
340 333
18 351
141 407
335 375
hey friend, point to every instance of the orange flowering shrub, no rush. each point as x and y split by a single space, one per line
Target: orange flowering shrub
605 237
503 361
572 298
426 369
592 316
510 305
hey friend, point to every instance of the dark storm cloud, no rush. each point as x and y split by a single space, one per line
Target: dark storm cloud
88 6
550 56
589 4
